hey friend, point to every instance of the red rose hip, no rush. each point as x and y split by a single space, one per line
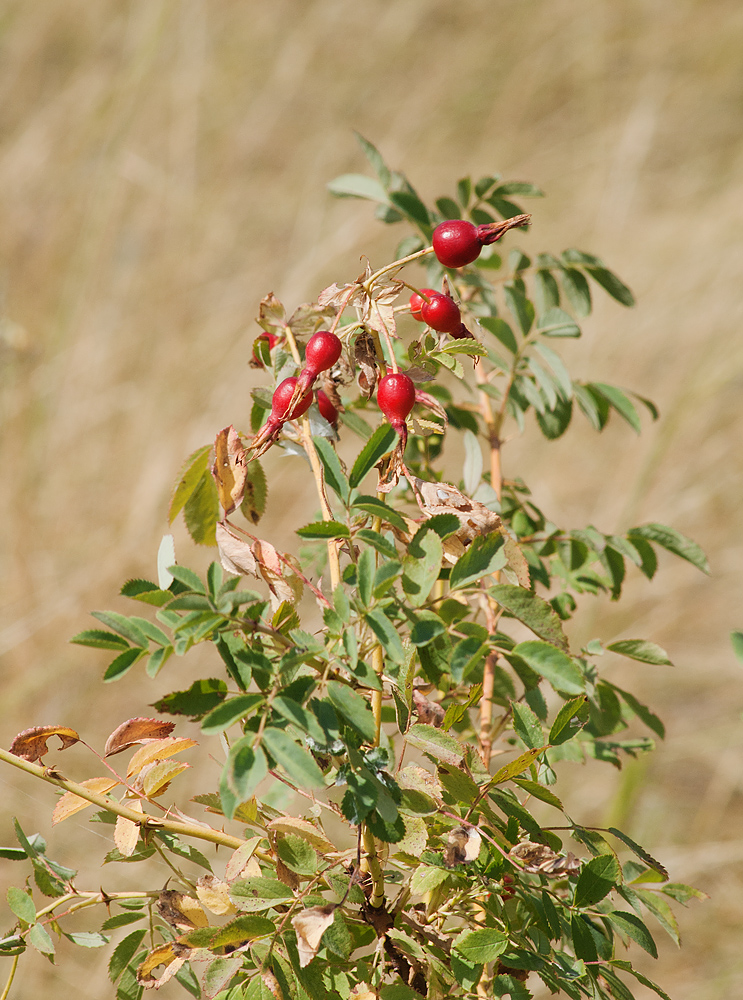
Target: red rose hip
441 313
282 408
417 300
456 243
396 396
326 408
322 351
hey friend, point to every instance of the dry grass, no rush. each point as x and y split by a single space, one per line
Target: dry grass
162 165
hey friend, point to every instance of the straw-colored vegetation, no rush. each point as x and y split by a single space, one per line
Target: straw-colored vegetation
162 166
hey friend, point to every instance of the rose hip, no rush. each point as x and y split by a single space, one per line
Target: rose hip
441 313
457 242
396 396
282 408
326 408
417 300
264 338
322 351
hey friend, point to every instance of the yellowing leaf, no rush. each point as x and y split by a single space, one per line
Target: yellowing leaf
215 895
155 777
70 803
165 955
157 750
31 744
304 829
310 925
126 832
241 862
180 910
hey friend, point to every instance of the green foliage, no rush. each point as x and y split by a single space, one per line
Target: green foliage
383 845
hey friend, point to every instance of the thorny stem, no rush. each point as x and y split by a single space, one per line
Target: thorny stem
317 471
376 697
376 899
104 802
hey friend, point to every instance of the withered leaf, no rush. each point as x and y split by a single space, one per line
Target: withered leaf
126 832
429 712
230 468
286 875
271 315
158 750
431 403
235 552
542 860
365 359
442 498
164 954
31 744
302 828
154 778
310 925
214 894
180 910
282 582
134 731
516 558
239 861
463 845
305 318
70 803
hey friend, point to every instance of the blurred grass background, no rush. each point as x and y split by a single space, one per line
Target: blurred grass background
162 166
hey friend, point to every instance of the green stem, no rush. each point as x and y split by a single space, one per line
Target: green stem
11 976
373 278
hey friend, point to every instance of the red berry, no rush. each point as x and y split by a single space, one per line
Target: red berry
322 351
416 301
441 313
281 408
326 408
396 396
456 243
269 338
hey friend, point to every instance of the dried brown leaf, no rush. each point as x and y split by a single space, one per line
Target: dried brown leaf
286 875
70 803
365 360
230 469
31 744
135 731
240 859
442 498
542 860
272 315
282 582
429 712
463 845
180 910
310 925
235 552
164 954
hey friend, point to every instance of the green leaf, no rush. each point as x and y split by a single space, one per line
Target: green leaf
335 477
121 920
435 743
564 728
517 766
378 542
527 725
538 791
449 208
381 442
201 511
385 631
375 158
584 944
123 625
465 656
378 508
324 529
640 852
523 188
673 541
501 330
245 768
88 939
230 712
736 640
357 186
21 904
99 638
13 853
296 761
552 664
354 709
421 565
661 910
642 650
258 893
297 854
521 308
190 476
410 205
532 611
634 928
560 372
612 284
555 322
123 663
577 290
39 938
481 946
650 719
596 880
627 967
124 952
199 699
484 556
426 630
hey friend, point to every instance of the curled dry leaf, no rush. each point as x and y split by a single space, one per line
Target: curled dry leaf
310 925
463 845
542 860
306 317
365 360
362 991
442 498
230 469
430 402
70 803
172 956
238 865
429 712
31 744
180 910
282 582
126 832
272 315
287 876
235 552
135 731
214 894
158 750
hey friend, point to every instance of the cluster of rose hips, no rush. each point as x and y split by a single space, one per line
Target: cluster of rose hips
456 243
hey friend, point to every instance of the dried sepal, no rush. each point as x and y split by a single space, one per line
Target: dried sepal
134 731
31 744
70 803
